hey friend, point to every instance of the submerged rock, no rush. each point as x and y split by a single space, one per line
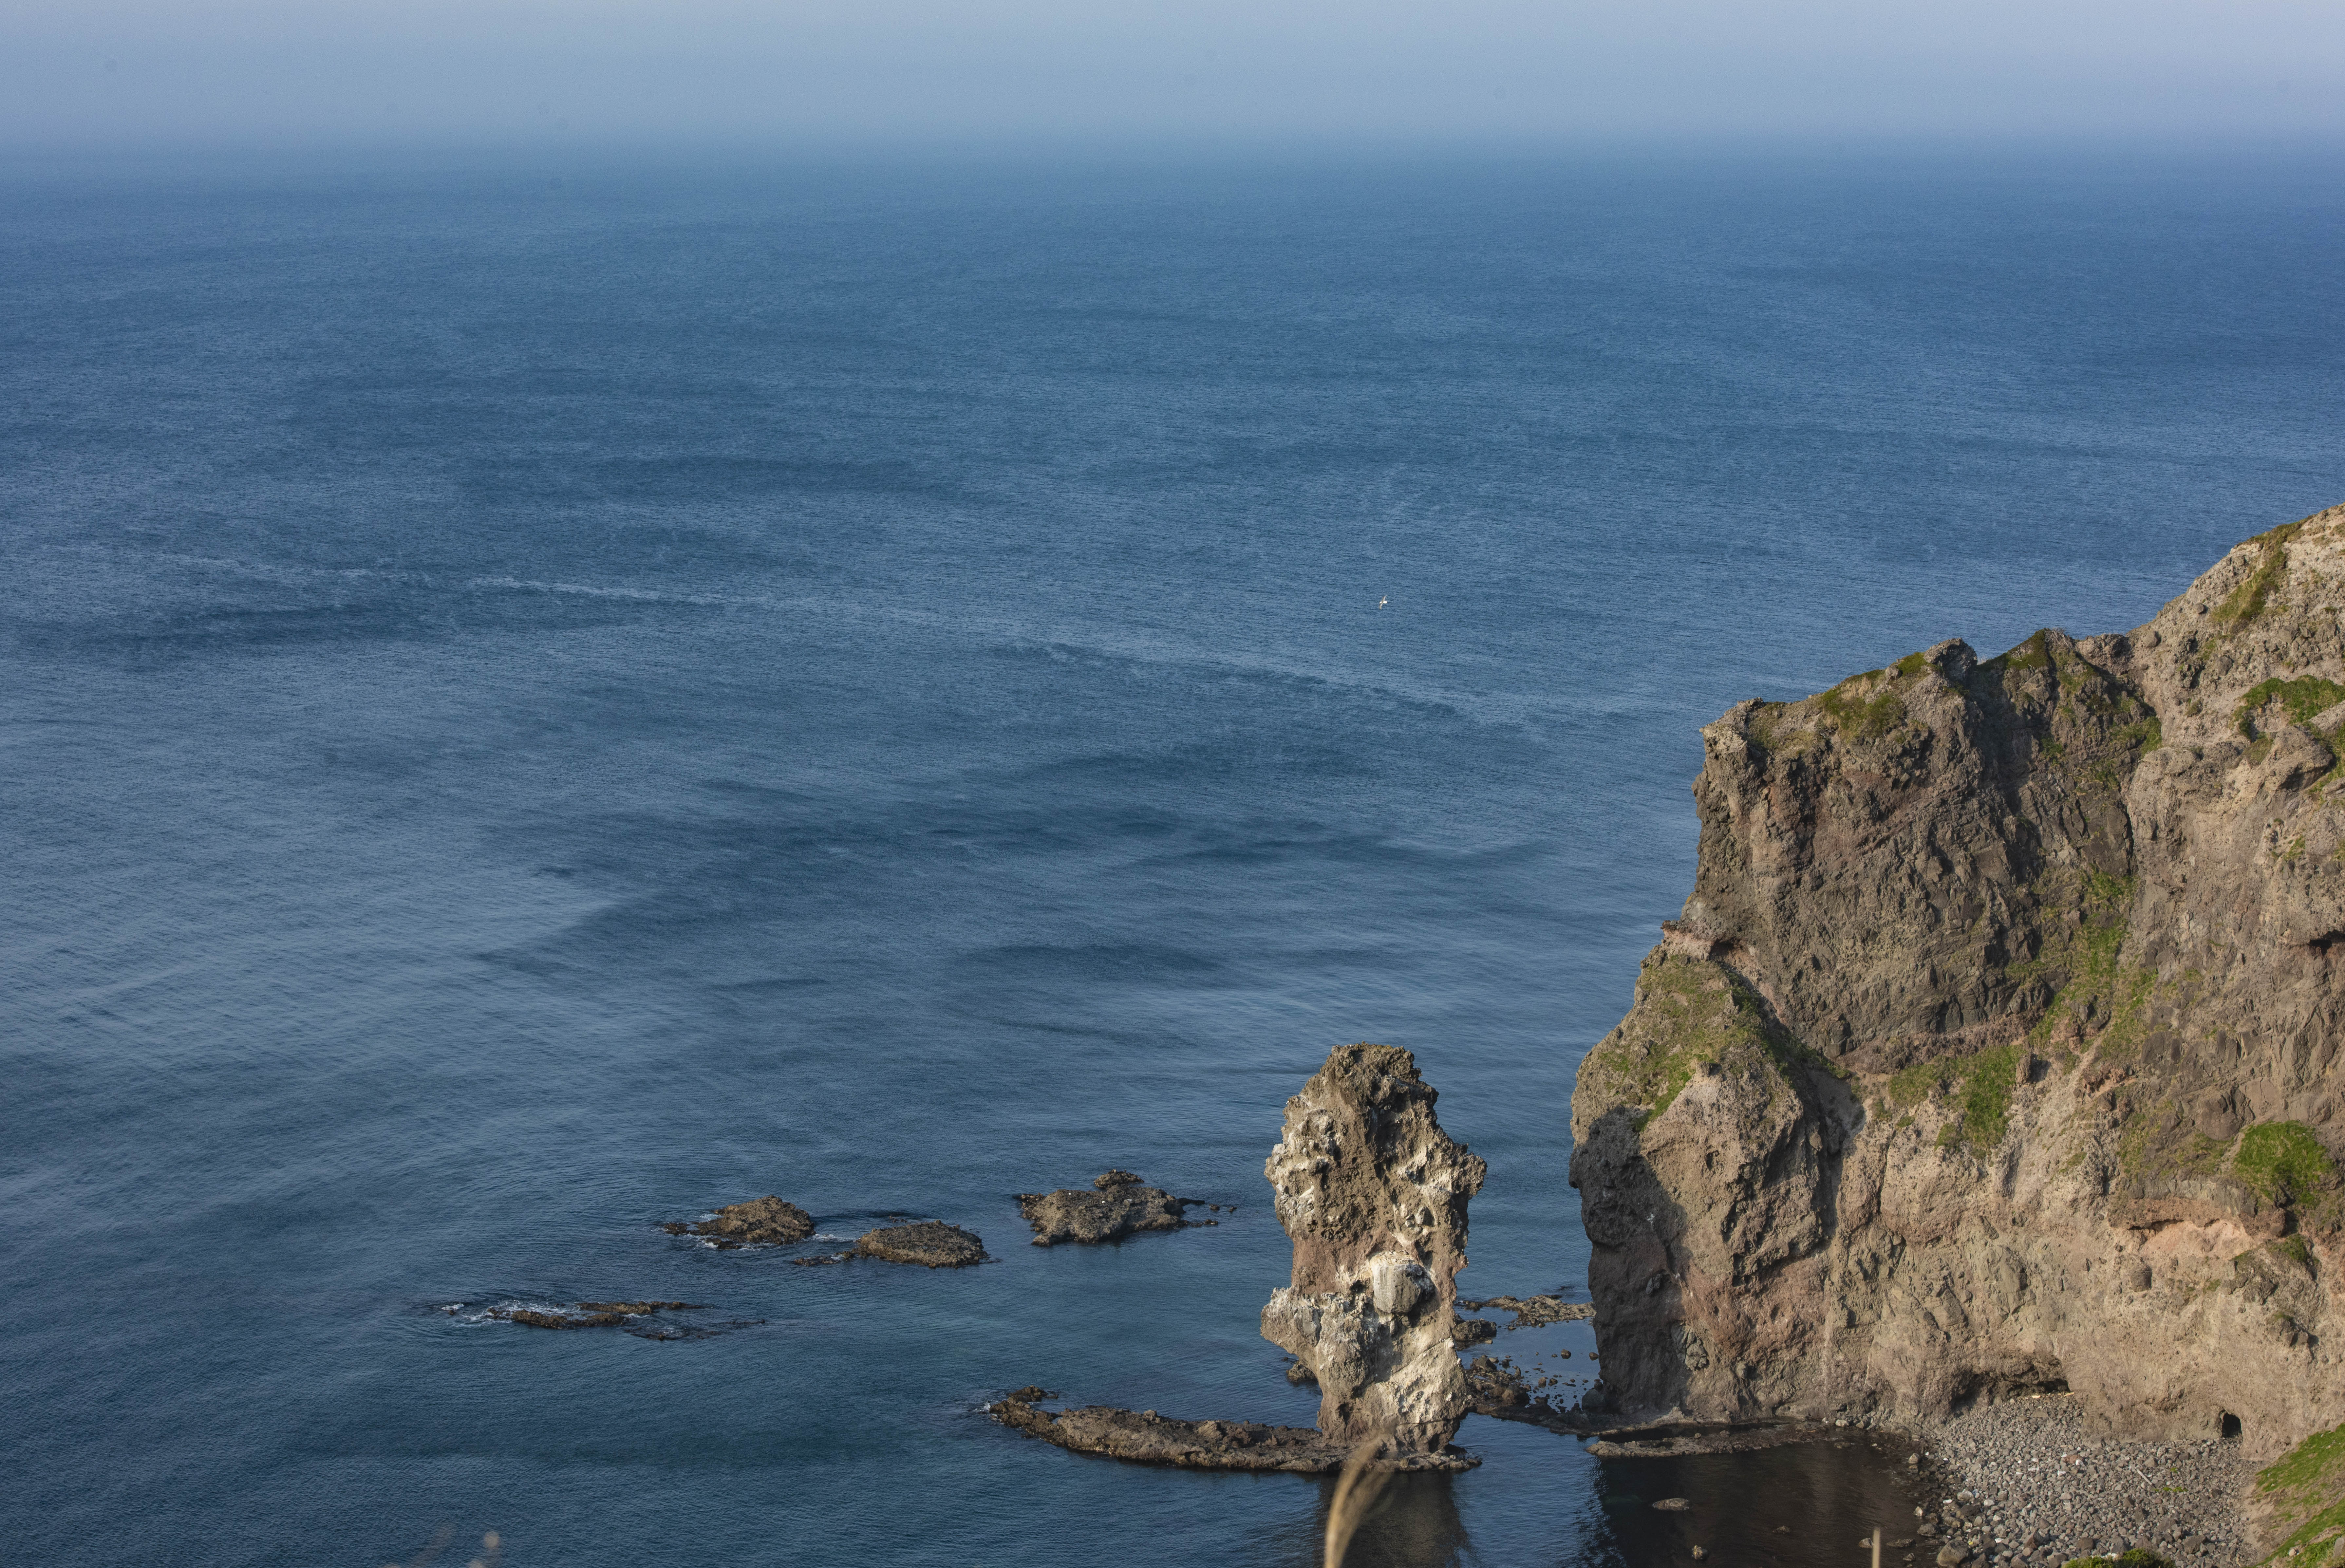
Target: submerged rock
635 1317
1372 1194
1118 1204
760 1221
1143 1437
587 1314
929 1243
1497 1386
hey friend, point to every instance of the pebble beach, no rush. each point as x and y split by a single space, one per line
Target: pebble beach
2027 1482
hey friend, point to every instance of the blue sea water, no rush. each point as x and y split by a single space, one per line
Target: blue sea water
541 698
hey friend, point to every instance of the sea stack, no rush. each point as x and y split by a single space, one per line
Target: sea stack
1372 1194
1997 1049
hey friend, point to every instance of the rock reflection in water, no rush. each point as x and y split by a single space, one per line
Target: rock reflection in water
1803 1505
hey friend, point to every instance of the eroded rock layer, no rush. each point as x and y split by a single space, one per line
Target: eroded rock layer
1996 1048
1372 1194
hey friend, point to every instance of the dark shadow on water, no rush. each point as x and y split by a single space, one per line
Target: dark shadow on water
1416 1524
1803 1505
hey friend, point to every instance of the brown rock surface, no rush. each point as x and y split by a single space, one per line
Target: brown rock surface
1372 1194
1531 1311
760 1221
1119 1204
928 1243
1143 1437
1997 1048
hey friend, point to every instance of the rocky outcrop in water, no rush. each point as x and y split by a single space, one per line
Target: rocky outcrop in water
1143 1437
761 1221
1531 1311
929 1243
1372 1194
1117 1205
1995 1049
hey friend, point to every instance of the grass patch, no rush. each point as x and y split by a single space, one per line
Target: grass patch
2101 995
2308 1464
1978 1086
2307 1484
2134 1557
1859 716
2303 697
2283 1162
2035 653
1690 1015
2249 600
1982 1097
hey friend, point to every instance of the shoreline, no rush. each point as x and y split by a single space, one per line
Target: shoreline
2036 1472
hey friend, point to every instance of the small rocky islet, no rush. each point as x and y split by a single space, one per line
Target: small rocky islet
765 1222
770 1221
1118 1204
928 1243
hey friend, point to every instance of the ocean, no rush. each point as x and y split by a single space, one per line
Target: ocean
543 696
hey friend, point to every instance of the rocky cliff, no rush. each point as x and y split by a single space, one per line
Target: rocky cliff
1995 1049
1374 1195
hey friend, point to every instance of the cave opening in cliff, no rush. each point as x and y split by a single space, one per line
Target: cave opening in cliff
2230 1427
1992 1390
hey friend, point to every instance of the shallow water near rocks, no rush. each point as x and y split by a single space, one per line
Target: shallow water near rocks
545 699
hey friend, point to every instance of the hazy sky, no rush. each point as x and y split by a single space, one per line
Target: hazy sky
598 71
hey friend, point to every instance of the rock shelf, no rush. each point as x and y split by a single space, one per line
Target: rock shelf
1531 1311
1143 1437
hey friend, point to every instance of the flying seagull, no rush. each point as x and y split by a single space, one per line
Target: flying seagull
1384 600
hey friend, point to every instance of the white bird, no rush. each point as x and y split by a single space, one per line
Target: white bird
1384 600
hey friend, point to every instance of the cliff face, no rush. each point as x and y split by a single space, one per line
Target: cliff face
1374 1195
1996 1048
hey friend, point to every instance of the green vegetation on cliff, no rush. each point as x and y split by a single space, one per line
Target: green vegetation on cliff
1980 1088
2303 698
2248 601
1871 704
2098 994
2284 1162
1691 1013
2305 1489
